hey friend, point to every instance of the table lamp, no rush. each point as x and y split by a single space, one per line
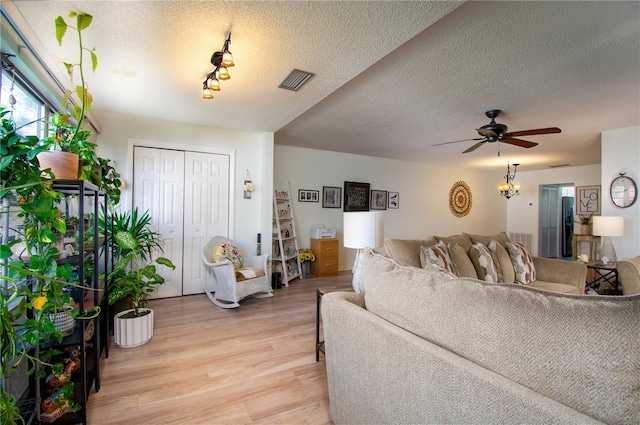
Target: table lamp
362 230
608 227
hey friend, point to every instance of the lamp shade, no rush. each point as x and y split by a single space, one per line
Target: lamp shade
608 226
363 229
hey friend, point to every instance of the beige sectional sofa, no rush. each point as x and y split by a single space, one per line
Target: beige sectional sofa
553 275
422 347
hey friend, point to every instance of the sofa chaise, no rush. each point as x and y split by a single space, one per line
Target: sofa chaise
422 347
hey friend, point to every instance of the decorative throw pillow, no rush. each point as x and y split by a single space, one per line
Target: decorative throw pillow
522 263
246 273
436 268
493 250
483 261
462 262
438 255
226 251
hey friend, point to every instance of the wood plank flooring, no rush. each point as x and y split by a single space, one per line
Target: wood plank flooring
206 365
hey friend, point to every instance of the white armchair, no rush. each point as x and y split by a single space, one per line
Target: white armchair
229 290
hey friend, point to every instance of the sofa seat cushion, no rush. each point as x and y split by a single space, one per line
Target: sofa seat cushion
562 288
562 346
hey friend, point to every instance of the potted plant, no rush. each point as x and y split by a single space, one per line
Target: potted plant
134 276
68 153
29 312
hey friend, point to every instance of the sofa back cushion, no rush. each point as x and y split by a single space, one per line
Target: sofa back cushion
407 251
571 348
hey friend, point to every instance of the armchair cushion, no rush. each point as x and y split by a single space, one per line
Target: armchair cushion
227 251
248 273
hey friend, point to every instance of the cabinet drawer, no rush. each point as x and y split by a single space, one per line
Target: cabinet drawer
327 254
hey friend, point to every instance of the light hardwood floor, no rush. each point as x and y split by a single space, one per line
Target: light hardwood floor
207 365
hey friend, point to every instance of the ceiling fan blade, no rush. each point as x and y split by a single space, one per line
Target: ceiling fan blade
519 142
549 130
474 147
458 141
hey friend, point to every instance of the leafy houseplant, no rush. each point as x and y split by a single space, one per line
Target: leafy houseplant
42 225
67 137
134 276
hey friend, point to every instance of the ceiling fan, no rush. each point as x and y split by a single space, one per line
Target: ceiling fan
496 132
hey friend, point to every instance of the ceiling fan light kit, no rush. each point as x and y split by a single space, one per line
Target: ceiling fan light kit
497 132
221 61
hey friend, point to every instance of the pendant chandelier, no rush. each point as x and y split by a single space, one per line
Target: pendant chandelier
510 188
221 61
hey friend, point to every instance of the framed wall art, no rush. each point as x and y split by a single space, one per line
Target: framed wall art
378 200
393 201
331 197
356 196
588 200
305 195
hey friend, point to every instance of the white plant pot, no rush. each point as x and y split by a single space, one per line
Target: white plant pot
135 331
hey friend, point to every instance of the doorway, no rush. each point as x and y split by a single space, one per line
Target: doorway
556 218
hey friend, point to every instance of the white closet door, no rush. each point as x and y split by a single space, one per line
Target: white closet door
158 184
206 214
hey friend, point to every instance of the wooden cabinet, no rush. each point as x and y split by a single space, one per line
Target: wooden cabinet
326 252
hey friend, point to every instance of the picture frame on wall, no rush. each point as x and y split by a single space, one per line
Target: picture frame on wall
587 200
378 200
356 196
331 197
393 200
306 195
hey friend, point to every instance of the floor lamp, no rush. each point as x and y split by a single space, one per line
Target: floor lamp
608 227
362 230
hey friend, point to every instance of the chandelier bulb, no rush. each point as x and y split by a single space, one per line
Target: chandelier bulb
207 93
223 73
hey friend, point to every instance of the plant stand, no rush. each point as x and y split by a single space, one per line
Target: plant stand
133 332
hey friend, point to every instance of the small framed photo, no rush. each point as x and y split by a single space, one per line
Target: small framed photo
356 196
378 199
305 195
393 200
331 197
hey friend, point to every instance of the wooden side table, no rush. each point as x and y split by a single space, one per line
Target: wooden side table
604 274
326 252
594 246
319 294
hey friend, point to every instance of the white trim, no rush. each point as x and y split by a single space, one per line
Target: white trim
131 143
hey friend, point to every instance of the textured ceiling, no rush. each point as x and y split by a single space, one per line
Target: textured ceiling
392 78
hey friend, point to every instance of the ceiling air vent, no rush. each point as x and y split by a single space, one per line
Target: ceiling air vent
559 165
295 80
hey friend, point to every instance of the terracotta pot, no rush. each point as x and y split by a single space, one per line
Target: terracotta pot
64 165
134 331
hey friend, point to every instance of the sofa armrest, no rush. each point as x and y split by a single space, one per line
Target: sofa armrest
629 275
572 273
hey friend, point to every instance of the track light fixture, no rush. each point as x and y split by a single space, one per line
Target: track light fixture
222 61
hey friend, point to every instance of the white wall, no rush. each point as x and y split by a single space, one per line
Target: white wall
523 209
621 154
253 151
424 194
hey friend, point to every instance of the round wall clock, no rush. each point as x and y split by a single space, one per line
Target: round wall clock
623 191
460 199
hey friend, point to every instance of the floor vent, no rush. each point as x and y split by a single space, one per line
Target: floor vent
295 80
525 239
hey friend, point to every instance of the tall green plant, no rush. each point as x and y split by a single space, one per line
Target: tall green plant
134 276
